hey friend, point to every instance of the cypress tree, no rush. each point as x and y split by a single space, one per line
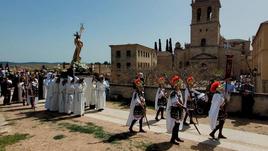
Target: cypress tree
167 45
155 46
160 47
170 46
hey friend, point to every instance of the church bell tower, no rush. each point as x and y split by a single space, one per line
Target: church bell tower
205 25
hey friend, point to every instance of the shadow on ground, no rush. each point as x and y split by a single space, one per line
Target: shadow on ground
163 146
119 137
204 145
45 116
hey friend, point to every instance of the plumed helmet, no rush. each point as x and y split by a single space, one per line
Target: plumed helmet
175 80
161 80
138 83
190 79
215 86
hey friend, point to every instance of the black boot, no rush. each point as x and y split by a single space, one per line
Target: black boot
157 113
184 120
177 133
191 117
212 134
162 113
141 130
220 130
174 135
131 126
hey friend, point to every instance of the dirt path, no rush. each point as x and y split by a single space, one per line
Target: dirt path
255 126
44 127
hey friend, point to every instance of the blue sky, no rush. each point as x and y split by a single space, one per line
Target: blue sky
41 30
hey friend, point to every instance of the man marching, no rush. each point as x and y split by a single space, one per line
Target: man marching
174 110
137 107
217 112
189 100
160 99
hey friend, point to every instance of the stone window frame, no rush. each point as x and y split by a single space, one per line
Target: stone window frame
128 64
128 54
118 54
118 65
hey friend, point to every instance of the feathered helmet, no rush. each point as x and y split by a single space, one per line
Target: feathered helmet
161 80
190 79
216 86
176 81
138 83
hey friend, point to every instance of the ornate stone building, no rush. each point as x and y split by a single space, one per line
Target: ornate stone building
207 46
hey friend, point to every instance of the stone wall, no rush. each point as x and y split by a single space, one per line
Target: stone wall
260 107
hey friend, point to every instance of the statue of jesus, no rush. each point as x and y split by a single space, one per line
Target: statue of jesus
78 45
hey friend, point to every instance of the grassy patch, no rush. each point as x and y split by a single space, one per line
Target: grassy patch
57 137
89 128
11 139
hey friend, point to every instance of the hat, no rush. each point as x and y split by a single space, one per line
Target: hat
138 82
215 86
176 80
161 80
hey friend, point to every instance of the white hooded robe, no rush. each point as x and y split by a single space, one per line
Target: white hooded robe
101 96
62 97
69 96
79 99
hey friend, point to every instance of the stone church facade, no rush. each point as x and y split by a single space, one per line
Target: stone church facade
208 47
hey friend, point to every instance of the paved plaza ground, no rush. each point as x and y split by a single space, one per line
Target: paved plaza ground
106 130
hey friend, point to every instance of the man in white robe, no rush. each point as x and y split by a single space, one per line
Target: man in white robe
54 104
174 110
137 107
189 102
79 101
69 95
160 99
101 96
20 90
62 95
94 94
88 91
48 90
32 89
217 114
45 84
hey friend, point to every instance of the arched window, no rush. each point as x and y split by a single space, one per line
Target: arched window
198 14
203 42
209 13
